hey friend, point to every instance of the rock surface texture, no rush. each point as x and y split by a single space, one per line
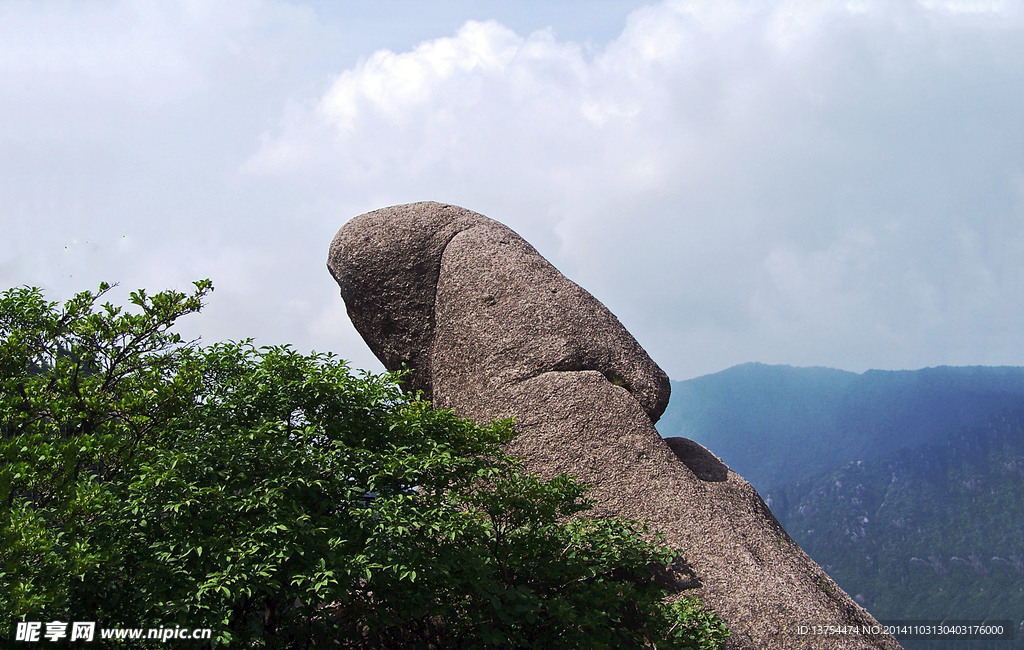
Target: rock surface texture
492 330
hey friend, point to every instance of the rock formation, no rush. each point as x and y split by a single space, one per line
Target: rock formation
492 330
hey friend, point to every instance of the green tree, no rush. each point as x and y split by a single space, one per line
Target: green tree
286 502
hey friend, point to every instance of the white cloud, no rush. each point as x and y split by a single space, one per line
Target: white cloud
395 86
788 181
970 6
788 177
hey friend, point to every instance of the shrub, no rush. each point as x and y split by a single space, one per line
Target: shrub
287 502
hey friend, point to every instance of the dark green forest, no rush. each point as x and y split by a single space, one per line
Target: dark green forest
907 487
934 532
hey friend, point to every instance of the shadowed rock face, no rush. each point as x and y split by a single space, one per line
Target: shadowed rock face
492 330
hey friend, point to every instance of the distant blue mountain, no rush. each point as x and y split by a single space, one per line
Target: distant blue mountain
779 424
931 533
907 487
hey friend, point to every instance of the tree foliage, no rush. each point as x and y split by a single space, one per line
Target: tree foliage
287 502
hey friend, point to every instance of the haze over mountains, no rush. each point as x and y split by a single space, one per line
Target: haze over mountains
906 486
778 424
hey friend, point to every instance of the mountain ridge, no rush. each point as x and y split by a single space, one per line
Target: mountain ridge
932 532
777 424
906 486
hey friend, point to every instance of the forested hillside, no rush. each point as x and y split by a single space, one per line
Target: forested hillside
907 486
930 533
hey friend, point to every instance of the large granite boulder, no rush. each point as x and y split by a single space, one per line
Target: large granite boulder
492 330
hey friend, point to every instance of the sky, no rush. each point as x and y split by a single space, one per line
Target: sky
790 182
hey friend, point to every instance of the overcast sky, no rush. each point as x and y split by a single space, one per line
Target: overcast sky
807 183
